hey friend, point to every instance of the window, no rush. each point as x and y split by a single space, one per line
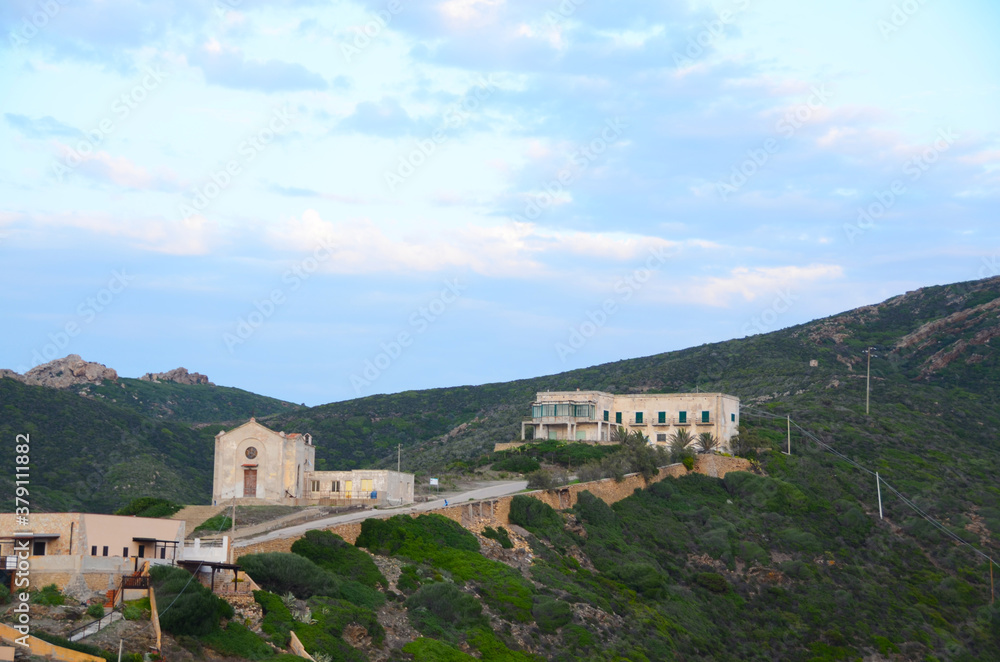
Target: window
315 485
661 417
125 552
584 411
732 417
661 437
564 410
348 486
38 548
142 551
367 485
93 550
638 417
704 417
335 486
682 417
105 551
606 415
163 552
618 417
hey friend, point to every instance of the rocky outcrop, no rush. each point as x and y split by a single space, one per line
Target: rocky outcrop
66 372
178 375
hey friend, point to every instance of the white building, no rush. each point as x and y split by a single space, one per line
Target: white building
256 465
592 415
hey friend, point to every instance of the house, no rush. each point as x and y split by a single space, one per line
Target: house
85 552
592 415
256 465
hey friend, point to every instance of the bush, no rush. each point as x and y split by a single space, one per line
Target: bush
688 462
521 464
533 514
49 595
239 642
499 534
4 594
440 609
713 581
283 573
415 537
551 614
277 617
149 507
133 613
215 524
95 610
408 580
193 609
330 552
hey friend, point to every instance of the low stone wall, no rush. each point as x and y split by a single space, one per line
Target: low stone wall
477 515
41 648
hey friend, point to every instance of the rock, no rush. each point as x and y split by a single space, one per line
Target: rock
69 371
177 375
4 372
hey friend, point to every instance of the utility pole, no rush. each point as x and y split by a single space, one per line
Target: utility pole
868 380
232 531
878 488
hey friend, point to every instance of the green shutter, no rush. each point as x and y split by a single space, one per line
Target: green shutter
606 413
638 417
661 417
704 417
618 417
682 417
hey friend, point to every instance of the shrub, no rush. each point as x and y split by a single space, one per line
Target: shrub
415 537
214 524
408 580
533 514
521 464
283 573
551 614
193 609
149 507
330 552
95 610
713 581
441 608
239 642
541 480
133 613
277 617
48 595
4 594
499 534
688 462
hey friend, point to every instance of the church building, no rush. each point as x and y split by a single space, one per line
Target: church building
256 465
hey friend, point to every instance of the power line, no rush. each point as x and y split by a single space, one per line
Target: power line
951 534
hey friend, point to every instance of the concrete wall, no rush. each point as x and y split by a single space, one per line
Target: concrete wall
477 515
41 648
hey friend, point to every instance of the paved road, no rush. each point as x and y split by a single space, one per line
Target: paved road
296 530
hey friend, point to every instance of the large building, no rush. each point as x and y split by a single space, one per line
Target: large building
592 415
84 552
254 464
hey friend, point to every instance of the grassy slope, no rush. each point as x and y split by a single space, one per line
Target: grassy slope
186 402
97 456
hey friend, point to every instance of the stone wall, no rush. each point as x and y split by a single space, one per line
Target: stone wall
476 515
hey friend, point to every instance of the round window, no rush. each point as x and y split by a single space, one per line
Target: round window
251 453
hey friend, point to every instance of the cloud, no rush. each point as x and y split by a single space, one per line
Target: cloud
42 127
119 171
192 236
385 118
753 282
227 67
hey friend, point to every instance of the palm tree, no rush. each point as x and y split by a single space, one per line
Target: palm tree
679 443
707 442
619 434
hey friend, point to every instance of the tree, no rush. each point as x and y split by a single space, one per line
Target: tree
707 442
680 442
619 434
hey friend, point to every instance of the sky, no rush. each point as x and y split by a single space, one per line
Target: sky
318 201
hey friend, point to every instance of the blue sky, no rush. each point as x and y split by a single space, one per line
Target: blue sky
320 200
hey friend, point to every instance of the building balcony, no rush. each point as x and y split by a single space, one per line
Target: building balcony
700 421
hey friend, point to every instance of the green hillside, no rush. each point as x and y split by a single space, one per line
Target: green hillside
189 403
97 456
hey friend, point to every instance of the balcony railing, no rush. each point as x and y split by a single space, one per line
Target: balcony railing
702 421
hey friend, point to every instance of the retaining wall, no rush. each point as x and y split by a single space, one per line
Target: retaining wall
476 515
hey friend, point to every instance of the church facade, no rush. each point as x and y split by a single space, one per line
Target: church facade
256 465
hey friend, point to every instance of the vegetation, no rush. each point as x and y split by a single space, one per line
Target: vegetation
48 595
500 534
95 610
215 524
149 507
329 551
194 609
